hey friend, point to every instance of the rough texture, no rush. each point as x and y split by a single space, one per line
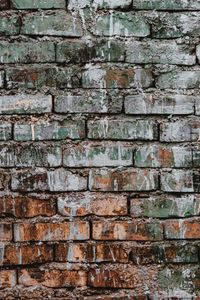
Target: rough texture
99 149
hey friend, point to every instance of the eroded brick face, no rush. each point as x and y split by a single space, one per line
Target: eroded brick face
100 149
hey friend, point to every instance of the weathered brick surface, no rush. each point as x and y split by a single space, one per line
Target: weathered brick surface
99 149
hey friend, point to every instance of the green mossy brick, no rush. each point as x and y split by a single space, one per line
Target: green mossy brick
38 4
121 24
160 103
122 129
111 51
98 155
89 102
175 25
29 52
74 52
157 156
159 52
50 24
165 206
25 104
111 4
9 24
50 131
179 80
5 131
177 181
167 4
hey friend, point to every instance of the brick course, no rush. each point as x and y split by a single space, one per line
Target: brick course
99 149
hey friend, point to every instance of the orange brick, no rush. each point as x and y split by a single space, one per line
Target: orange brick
51 231
123 230
52 278
7 279
5 232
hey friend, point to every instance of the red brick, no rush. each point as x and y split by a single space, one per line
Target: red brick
7 279
52 278
51 231
26 207
111 252
182 229
99 204
123 180
127 230
5 232
72 252
27 254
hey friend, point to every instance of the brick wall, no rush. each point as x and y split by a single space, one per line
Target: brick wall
99 149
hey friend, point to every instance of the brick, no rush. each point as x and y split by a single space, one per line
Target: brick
74 4
198 52
164 253
122 276
52 278
49 24
26 207
177 181
127 230
28 52
123 180
26 254
165 206
183 280
197 106
157 156
182 229
2 79
5 232
8 278
4 4
51 231
39 155
83 204
111 252
79 52
89 102
121 24
9 24
71 252
184 130
196 158
43 180
98 155
74 52
167 5
25 104
112 4
110 51
55 130
122 129
159 103
159 53
179 80
98 252
5 131
38 4
175 25
41 76
96 77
